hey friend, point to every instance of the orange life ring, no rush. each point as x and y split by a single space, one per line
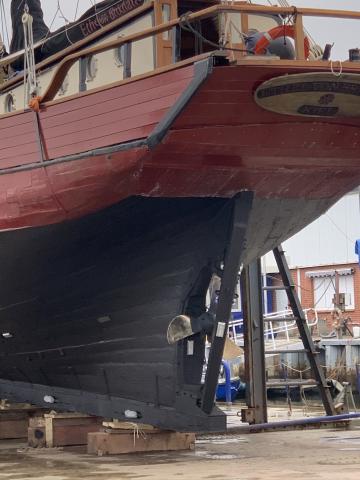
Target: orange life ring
277 32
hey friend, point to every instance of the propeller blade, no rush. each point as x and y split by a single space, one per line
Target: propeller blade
179 328
182 326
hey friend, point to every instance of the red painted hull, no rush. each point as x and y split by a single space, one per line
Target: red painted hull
220 144
225 142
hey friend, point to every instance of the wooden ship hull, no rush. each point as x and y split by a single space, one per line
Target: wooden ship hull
116 210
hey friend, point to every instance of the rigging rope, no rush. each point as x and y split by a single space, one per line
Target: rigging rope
70 25
76 10
4 24
30 81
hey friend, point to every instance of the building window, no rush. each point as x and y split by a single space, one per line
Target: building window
324 291
281 301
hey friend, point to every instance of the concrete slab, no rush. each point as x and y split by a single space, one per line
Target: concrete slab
315 454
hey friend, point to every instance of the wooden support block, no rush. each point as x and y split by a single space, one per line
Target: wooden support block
120 425
37 422
36 432
36 437
63 430
14 422
3 404
13 429
122 442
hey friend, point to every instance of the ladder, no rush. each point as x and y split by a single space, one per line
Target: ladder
305 335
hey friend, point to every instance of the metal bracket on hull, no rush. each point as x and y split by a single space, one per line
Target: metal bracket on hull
235 248
40 139
202 71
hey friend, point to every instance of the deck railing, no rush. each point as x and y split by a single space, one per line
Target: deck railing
275 330
293 14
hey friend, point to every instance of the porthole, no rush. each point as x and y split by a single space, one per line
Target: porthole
120 56
91 68
9 103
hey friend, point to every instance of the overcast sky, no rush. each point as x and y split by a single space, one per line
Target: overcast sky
341 32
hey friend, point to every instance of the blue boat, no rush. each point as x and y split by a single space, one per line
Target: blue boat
228 386
236 385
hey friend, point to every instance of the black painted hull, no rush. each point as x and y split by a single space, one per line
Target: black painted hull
87 304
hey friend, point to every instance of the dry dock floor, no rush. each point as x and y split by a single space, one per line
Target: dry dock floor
312 454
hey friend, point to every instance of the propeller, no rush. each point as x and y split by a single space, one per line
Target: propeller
183 326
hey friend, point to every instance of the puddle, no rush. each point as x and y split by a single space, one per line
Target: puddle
350 449
221 440
217 456
338 439
51 477
123 475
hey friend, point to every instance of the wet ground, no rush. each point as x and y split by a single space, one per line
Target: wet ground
314 454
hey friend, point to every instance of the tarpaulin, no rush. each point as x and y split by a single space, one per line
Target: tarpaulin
100 15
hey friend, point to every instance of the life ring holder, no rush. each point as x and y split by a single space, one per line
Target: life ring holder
277 32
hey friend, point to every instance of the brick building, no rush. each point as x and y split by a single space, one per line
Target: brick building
316 286
321 256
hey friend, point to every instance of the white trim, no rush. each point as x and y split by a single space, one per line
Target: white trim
329 273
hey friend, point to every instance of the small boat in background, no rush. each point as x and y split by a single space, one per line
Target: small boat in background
230 385
221 393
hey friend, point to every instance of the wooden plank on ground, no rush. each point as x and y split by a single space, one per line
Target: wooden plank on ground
105 443
119 425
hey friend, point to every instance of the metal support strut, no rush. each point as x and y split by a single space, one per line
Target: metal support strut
235 248
254 345
304 330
